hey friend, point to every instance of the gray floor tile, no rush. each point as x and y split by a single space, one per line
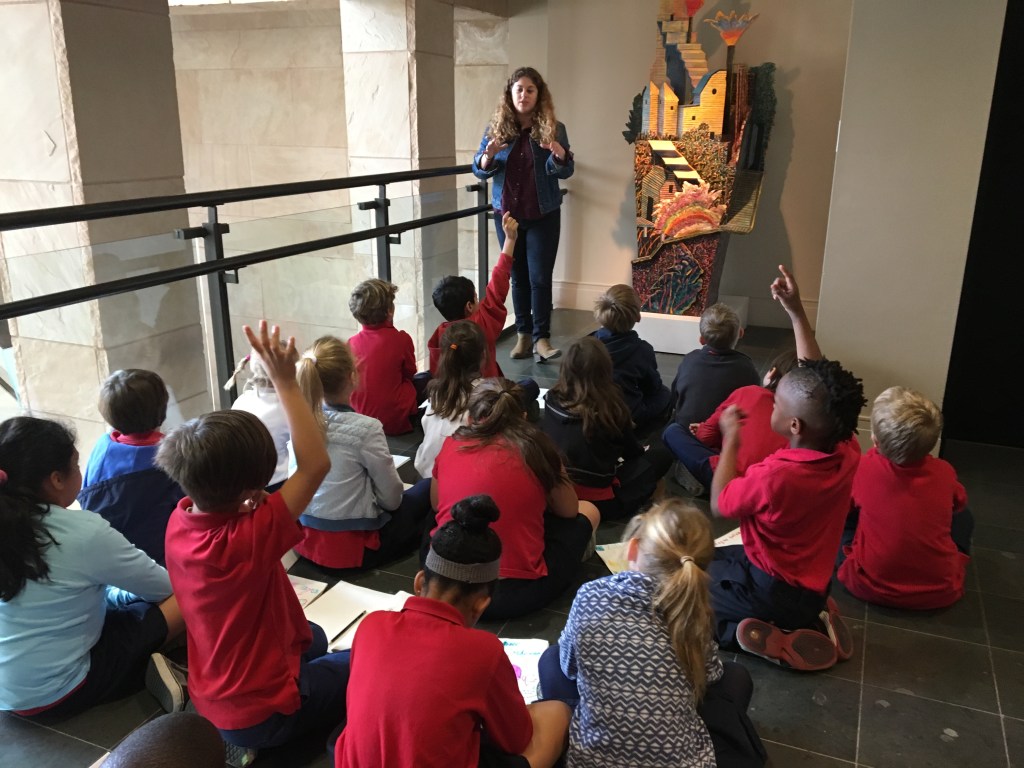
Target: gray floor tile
1009 671
382 581
961 620
899 731
852 668
918 665
807 711
545 624
28 744
999 573
996 503
1015 741
994 537
787 757
849 605
107 724
1004 619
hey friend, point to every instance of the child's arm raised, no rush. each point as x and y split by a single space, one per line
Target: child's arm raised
311 456
785 291
497 287
730 424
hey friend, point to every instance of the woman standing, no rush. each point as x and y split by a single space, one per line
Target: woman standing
526 151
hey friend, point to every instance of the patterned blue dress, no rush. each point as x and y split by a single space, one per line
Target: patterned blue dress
636 705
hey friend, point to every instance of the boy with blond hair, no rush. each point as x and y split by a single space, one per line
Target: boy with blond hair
707 376
386 357
634 366
913 527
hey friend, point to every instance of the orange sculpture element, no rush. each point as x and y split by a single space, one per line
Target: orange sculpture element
692 6
696 209
731 27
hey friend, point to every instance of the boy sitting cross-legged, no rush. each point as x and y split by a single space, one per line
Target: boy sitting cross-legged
257 669
770 595
913 528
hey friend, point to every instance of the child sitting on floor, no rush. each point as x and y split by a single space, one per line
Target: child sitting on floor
638 660
913 527
590 425
770 595
429 690
710 374
387 359
257 669
259 398
122 483
463 351
634 366
81 609
359 517
698 446
544 528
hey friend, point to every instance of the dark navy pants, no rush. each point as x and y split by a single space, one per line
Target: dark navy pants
533 263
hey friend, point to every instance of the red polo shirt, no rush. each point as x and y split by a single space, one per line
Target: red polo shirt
499 471
387 363
902 553
422 688
791 508
246 629
758 440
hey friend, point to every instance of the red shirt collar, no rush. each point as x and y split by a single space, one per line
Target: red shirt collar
137 438
435 608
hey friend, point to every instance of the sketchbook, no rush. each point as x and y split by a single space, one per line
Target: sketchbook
341 609
729 539
525 657
306 590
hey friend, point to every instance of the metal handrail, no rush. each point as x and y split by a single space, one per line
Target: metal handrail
44 217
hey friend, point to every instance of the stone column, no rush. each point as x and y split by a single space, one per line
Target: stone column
90 115
400 110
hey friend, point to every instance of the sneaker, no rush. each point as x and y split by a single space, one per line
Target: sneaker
690 484
837 630
802 649
239 757
168 682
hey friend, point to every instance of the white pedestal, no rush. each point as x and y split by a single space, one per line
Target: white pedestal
676 334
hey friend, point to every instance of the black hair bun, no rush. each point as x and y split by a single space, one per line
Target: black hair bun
475 513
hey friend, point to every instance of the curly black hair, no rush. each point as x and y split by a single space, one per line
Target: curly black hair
838 392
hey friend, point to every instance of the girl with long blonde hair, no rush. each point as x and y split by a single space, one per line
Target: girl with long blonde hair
525 150
639 662
359 517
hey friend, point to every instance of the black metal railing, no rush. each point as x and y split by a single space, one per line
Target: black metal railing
212 231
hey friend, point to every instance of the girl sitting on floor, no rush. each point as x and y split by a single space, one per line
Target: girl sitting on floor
463 350
81 609
544 528
450 698
590 424
639 663
359 517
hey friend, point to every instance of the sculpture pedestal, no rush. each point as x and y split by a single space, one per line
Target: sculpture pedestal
679 334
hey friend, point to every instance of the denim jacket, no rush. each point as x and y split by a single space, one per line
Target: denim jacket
547 172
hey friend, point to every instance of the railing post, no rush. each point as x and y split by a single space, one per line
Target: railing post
483 223
380 219
220 319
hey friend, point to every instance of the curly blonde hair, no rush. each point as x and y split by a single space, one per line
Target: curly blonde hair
504 124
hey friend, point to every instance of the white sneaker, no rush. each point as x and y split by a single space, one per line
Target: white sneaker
168 682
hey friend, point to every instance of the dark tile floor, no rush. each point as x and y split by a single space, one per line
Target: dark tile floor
936 688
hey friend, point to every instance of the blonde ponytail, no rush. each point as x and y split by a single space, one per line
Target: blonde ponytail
324 369
675 548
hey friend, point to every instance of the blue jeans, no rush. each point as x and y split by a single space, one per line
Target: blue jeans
533 263
690 451
323 681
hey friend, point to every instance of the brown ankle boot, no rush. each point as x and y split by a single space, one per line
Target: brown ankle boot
544 351
523 347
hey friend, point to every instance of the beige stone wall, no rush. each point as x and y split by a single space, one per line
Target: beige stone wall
262 100
90 116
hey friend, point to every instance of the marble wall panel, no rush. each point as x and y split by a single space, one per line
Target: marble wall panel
190 408
130 131
218 166
25 196
360 166
144 315
483 41
176 355
434 31
189 111
33 145
308 289
296 13
433 106
377 87
246 296
477 90
58 378
130 227
373 25
270 48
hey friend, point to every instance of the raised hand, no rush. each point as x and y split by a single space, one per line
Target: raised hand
494 146
555 149
785 291
510 226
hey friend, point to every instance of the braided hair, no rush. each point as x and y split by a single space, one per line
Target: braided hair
838 394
